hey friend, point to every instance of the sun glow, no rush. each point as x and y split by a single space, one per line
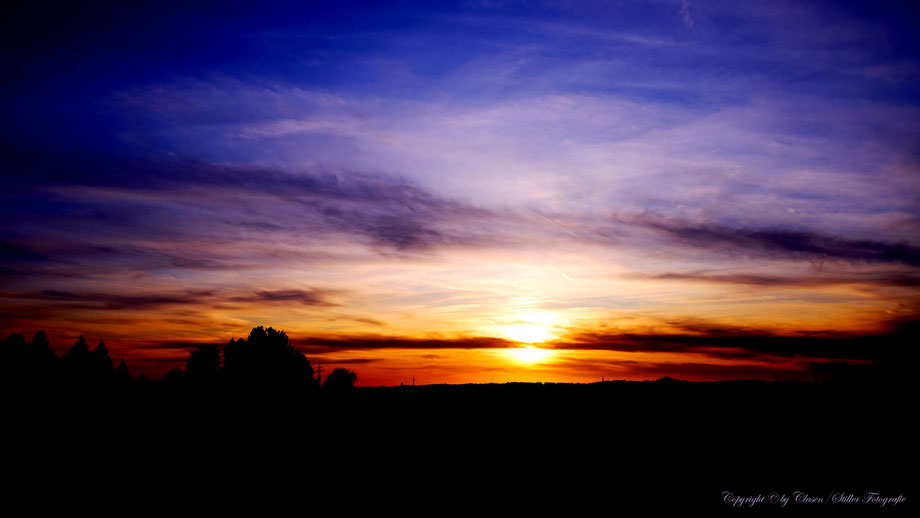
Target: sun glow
536 329
528 327
527 333
529 354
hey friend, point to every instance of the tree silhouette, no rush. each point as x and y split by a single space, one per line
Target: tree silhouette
13 346
40 364
39 351
340 380
101 363
173 377
122 375
79 353
266 359
203 364
77 362
12 358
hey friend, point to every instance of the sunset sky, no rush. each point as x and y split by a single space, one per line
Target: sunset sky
467 191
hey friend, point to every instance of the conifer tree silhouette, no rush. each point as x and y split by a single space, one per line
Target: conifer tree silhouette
122 375
101 363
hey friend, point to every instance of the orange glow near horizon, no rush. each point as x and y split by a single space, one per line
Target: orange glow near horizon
530 305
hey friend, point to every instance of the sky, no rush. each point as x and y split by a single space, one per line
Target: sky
464 192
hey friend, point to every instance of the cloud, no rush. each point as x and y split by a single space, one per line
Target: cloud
70 257
777 242
819 279
727 342
116 301
175 198
688 336
370 342
685 13
317 360
303 297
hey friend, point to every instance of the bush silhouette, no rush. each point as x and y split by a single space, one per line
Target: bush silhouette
340 380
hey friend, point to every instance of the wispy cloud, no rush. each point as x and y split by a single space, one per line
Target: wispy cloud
779 242
685 13
116 301
812 280
170 200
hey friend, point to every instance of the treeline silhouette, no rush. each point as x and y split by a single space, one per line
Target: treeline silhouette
263 361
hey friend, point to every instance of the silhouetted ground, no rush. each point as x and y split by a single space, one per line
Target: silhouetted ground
439 449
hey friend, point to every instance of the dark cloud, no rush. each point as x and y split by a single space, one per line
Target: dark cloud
873 278
395 231
113 301
384 210
368 342
304 297
116 301
317 360
258 225
726 342
691 336
364 320
779 242
73 259
10 251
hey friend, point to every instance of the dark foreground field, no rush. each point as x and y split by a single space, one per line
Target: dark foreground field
434 450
